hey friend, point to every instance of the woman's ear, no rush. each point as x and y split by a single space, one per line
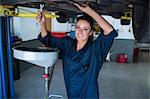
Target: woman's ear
91 33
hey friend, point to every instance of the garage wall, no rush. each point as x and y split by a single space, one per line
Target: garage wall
25 28
123 46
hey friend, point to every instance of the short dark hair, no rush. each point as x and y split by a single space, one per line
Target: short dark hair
86 17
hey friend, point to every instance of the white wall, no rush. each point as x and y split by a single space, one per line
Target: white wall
124 31
26 28
59 27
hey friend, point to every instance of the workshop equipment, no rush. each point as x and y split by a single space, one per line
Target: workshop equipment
40 56
122 58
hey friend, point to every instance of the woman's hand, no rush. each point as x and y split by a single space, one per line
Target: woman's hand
41 19
84 7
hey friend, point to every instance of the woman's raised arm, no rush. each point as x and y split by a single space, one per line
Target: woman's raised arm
107 28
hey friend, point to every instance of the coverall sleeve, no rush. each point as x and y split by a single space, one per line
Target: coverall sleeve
51 41
103 44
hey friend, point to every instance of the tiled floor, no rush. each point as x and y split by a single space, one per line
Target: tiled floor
116 81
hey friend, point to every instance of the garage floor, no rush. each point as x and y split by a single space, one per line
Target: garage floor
116 81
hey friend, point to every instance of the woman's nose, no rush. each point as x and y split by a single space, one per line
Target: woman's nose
79 30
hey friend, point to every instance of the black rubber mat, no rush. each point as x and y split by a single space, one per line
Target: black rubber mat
37 49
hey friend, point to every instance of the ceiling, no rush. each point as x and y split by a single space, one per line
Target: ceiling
111 7
114 8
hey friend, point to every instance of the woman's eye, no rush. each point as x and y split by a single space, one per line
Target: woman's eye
86 29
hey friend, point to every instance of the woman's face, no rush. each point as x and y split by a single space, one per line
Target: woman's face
83 30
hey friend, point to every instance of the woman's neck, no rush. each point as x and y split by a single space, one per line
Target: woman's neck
80 45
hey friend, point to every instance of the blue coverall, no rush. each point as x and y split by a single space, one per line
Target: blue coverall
81 68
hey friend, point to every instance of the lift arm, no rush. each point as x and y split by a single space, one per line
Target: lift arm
15 11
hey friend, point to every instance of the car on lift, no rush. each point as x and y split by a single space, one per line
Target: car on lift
137 9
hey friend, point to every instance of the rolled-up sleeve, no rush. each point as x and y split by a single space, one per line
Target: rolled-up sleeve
103 44
51 41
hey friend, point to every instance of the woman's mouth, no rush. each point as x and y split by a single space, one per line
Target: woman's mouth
80 35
